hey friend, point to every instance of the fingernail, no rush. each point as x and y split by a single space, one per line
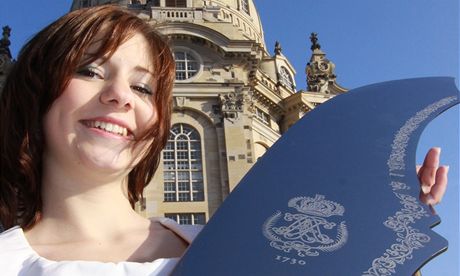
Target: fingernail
425 188
447 168
430 200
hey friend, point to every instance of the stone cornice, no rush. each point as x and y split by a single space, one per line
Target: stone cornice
267 101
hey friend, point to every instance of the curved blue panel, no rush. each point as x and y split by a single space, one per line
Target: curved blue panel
336 195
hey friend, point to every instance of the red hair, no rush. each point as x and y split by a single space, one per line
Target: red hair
43 70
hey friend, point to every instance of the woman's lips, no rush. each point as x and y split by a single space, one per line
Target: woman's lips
108 128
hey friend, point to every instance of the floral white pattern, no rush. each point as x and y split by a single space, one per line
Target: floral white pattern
408 238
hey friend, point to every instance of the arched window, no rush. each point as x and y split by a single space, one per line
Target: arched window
286 77
186 65
176 3
259 150
183 172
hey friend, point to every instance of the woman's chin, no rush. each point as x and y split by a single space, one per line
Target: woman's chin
106 161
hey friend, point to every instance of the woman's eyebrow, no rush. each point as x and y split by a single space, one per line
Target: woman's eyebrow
143 70
90 56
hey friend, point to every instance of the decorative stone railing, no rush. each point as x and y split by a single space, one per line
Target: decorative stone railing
177 14
209 14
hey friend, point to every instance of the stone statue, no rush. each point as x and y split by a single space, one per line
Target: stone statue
314 42
277 48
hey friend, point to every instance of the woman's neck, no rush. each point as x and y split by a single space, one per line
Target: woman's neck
85 206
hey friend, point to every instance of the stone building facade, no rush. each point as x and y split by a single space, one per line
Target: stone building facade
232 100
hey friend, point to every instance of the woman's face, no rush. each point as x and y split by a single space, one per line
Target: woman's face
104 109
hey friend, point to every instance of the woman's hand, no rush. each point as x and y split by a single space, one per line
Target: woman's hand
432 177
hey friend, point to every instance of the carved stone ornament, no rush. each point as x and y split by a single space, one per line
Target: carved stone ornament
231 104
5 42
180 101
320 74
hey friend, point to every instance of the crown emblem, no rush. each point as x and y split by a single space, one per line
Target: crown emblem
317 206
310 231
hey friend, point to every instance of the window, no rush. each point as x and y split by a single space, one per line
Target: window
245 6
176 3
182 166
187 218
262 116
186 65
286 78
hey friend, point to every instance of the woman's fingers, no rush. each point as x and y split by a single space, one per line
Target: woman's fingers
432 177
427 173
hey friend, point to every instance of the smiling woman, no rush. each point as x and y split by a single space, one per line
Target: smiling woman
47 67
84 116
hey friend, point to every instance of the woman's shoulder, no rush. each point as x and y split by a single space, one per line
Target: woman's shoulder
12 239
14 251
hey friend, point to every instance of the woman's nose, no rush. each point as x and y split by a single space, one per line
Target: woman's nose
118 94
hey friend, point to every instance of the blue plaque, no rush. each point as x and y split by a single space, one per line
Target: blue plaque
336 195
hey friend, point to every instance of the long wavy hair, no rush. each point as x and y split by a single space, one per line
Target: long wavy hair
43 70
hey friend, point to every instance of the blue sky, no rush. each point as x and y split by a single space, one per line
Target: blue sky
369 41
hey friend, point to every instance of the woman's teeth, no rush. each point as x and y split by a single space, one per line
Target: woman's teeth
109 127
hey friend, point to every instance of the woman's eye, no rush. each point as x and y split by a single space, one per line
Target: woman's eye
142 89
89 72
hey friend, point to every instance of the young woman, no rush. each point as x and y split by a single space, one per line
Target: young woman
84 115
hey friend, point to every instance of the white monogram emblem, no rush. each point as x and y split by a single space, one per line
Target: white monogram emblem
308 232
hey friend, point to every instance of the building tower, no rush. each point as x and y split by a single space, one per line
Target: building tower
6 59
